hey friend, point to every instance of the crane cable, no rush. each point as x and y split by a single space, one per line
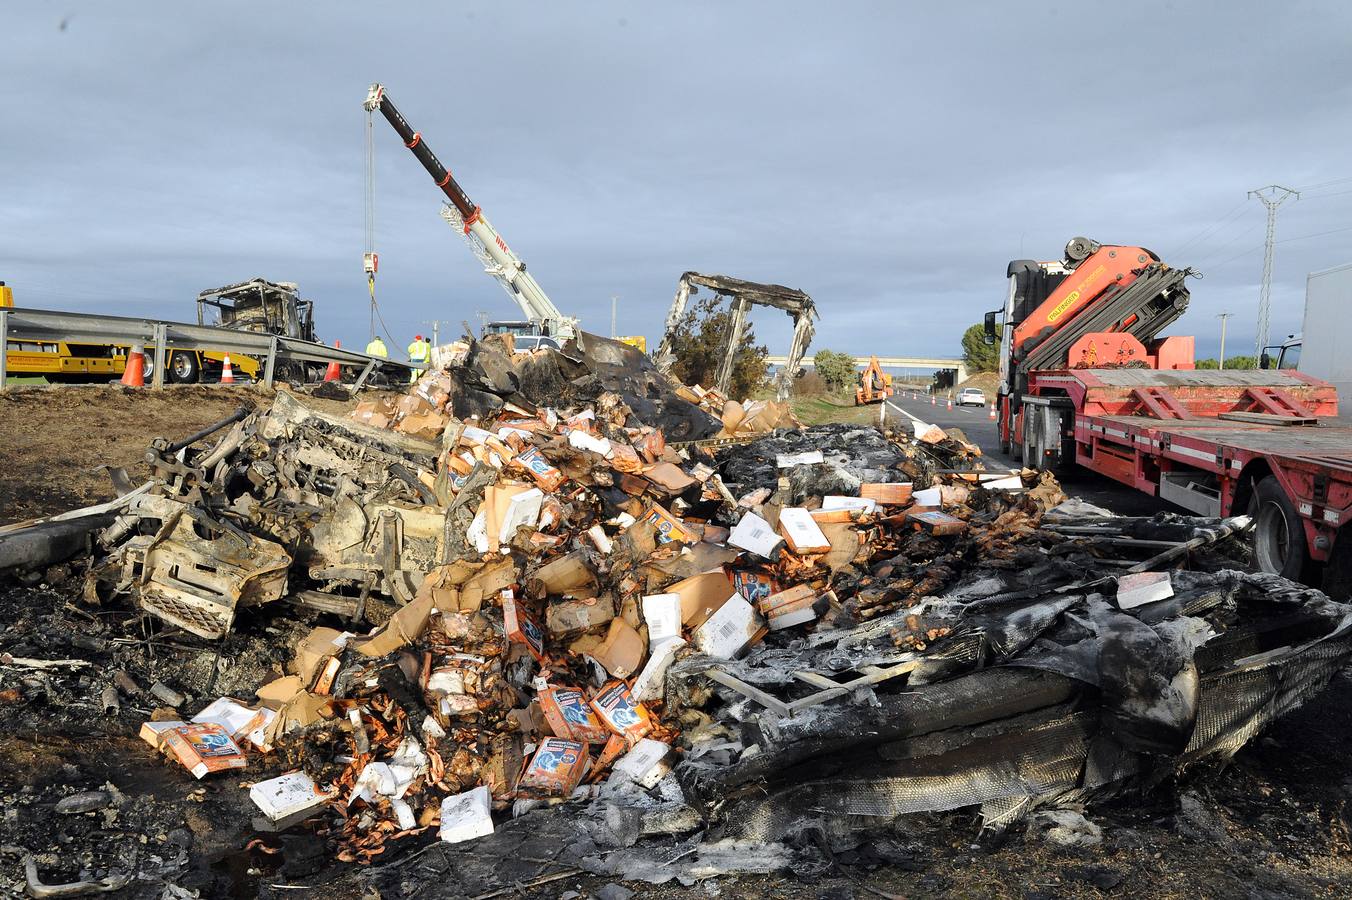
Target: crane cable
369 237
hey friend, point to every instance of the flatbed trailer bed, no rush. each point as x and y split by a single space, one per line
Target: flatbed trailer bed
1202 439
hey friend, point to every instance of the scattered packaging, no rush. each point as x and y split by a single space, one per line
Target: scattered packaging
937 522
646 763
202 748
755 534
621 653
649 685
789 460
803 534
898 494
863 504
620 712
544 473
555 769
521 628
1140 588
466 816
729 630
662 614
668 527
288 796
701 594
570 716
753 586
568 616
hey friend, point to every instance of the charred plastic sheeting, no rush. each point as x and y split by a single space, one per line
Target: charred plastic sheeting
1040 700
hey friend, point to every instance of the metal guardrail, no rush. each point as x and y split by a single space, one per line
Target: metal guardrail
162 338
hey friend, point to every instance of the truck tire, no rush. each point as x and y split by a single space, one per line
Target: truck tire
1279 535
184 368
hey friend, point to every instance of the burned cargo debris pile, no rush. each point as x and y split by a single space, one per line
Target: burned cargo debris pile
533 597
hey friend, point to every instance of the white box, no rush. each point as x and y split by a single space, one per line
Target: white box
802 531
227 713
288 795
644 765
729 629
1140 588
789 460
467 816
866 504
522 509
755 534
926 497
662 613
651 681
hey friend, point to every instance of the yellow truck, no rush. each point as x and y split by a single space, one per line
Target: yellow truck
63 361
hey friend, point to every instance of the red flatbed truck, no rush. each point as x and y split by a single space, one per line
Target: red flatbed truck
1084 380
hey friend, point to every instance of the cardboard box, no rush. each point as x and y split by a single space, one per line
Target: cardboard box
504 766
621 713
651 681
898 494
729 630
521 628
555 769
669 478
622 651
801 532
566 576
567 616
570 715
866 505
230 714
668 527
646 763
937 522
466 816
753 586
796 597
315 648
755 534
541 469
662 615
153 732
289 795
202 748
702 594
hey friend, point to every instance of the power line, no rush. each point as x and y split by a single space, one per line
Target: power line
1323 184
1211 229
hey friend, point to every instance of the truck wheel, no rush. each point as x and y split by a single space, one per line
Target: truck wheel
184 368
1279 535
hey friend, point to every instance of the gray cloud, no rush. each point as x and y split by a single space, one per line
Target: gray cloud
888 160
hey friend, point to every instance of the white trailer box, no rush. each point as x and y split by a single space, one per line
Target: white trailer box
1327 333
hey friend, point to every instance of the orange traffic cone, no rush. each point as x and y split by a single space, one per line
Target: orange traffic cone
334 372
227 373
950 402
134 373
933 402
992 414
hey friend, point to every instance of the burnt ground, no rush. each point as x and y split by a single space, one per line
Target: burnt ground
1275 822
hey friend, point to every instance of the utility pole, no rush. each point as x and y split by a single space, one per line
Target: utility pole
483 319
1273 196
1223 317
614 303
436 324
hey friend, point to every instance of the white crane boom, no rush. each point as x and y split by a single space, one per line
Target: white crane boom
467 217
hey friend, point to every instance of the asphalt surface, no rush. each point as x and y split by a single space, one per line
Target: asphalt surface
979 428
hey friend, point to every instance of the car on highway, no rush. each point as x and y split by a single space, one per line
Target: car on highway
971 397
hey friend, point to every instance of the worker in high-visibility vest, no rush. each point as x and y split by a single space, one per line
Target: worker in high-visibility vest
418 352
377 348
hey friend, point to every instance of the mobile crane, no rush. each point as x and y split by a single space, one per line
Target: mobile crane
1084 380
484 240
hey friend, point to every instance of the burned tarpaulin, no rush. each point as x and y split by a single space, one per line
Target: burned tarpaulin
1078 698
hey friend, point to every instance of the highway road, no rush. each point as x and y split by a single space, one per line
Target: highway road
979 428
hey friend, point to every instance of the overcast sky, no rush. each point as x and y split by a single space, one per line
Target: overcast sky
889 161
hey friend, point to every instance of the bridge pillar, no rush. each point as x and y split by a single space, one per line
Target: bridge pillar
962 373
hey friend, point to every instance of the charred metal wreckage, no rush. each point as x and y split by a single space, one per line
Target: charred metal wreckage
585 619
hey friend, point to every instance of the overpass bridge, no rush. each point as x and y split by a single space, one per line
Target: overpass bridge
897 362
